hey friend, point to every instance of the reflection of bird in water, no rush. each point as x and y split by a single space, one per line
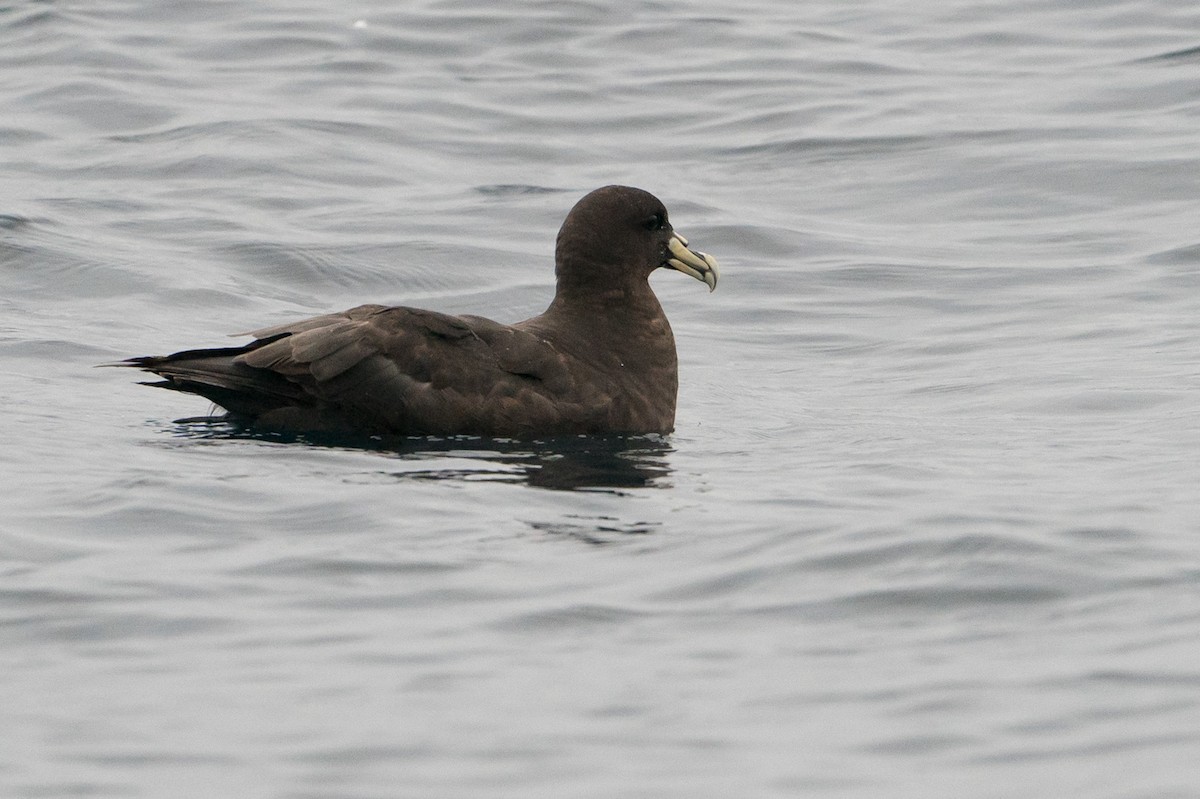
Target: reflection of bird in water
566 463
563 464
599 464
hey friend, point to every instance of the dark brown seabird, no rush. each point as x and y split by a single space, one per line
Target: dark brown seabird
600 359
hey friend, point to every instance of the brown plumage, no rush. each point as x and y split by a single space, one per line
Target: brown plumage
600 359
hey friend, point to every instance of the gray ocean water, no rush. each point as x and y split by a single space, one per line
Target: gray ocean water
929 524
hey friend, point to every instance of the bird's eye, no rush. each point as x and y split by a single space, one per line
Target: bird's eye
656 222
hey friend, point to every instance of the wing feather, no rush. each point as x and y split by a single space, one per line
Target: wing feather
401 369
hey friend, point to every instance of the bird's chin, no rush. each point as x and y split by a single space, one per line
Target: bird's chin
699 265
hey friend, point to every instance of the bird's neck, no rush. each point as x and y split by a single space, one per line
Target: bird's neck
612 319
630 308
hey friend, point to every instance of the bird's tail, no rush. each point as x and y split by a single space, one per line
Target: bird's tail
221 376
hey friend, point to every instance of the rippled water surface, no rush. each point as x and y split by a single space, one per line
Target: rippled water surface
929 523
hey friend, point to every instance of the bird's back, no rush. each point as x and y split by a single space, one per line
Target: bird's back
405 371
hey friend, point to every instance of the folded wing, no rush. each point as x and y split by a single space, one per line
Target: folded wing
395 369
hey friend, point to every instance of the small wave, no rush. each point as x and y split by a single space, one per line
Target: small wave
1189 55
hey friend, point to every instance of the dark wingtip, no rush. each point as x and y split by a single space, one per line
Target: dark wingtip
142 362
